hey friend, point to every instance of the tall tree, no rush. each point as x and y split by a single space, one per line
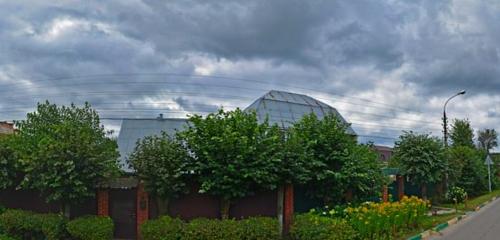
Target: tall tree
65 152
234 155
338 164
462 134
8 162
487 139
161 162
421 158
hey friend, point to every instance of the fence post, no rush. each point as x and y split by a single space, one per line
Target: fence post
142 214
385 194
401 186
102 202
288 209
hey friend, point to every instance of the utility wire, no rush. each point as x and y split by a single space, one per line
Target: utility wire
51 80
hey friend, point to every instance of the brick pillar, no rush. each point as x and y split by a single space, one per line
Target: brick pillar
401 186
288 209
385 194
142 207
102 202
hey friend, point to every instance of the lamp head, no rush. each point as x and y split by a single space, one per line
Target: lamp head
462 92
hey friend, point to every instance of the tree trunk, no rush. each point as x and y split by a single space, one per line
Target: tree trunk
162 205
224 208
66 210
424 191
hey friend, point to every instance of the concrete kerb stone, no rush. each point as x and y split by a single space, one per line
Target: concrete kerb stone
442 226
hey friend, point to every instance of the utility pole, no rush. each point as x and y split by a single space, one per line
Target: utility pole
445 132
489 162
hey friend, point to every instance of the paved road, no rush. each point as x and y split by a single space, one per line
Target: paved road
481 225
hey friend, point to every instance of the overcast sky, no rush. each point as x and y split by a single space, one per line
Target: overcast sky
386 65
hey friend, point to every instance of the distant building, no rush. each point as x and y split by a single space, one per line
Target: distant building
385 153
6 128
285 108
135 129
282 108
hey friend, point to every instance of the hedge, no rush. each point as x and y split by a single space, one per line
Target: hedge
167 228
91 228
5 237
164 228
28 225
313 227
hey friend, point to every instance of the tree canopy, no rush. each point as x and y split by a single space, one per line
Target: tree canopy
420 157
65 152
8 162
161 162
337 162
487 139
234 154
462 134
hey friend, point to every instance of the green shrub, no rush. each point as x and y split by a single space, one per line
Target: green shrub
21 224
313 227
91 228
456 195
212 229
167 228
164 228
260 228
28 225
5 237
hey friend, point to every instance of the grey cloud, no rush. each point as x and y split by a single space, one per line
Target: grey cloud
337 47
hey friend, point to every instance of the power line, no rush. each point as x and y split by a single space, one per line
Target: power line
214 77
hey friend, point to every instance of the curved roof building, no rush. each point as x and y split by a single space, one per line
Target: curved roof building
285 108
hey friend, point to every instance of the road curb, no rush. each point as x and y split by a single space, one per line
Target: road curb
440 227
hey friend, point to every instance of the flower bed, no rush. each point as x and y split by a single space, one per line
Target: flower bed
383 220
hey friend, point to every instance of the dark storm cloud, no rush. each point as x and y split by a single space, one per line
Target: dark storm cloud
412 54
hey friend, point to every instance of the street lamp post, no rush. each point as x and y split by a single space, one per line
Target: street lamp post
445 131
445 119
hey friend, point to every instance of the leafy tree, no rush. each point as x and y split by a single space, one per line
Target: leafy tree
420 157
487 139
362 173
462 133
8 162
65 152
162 163
234 155
335 160
474 176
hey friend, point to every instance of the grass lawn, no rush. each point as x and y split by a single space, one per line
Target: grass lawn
432 221
428 223
474 202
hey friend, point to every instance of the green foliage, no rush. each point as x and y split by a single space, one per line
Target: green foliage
462 133
8 162
333 161
235 155
420 157
164 228
259 228
5 237
27 225
91 228
474 177
65 152
212 229
456 195
313 227
487 139
467 169
167 228
362 173
161 162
